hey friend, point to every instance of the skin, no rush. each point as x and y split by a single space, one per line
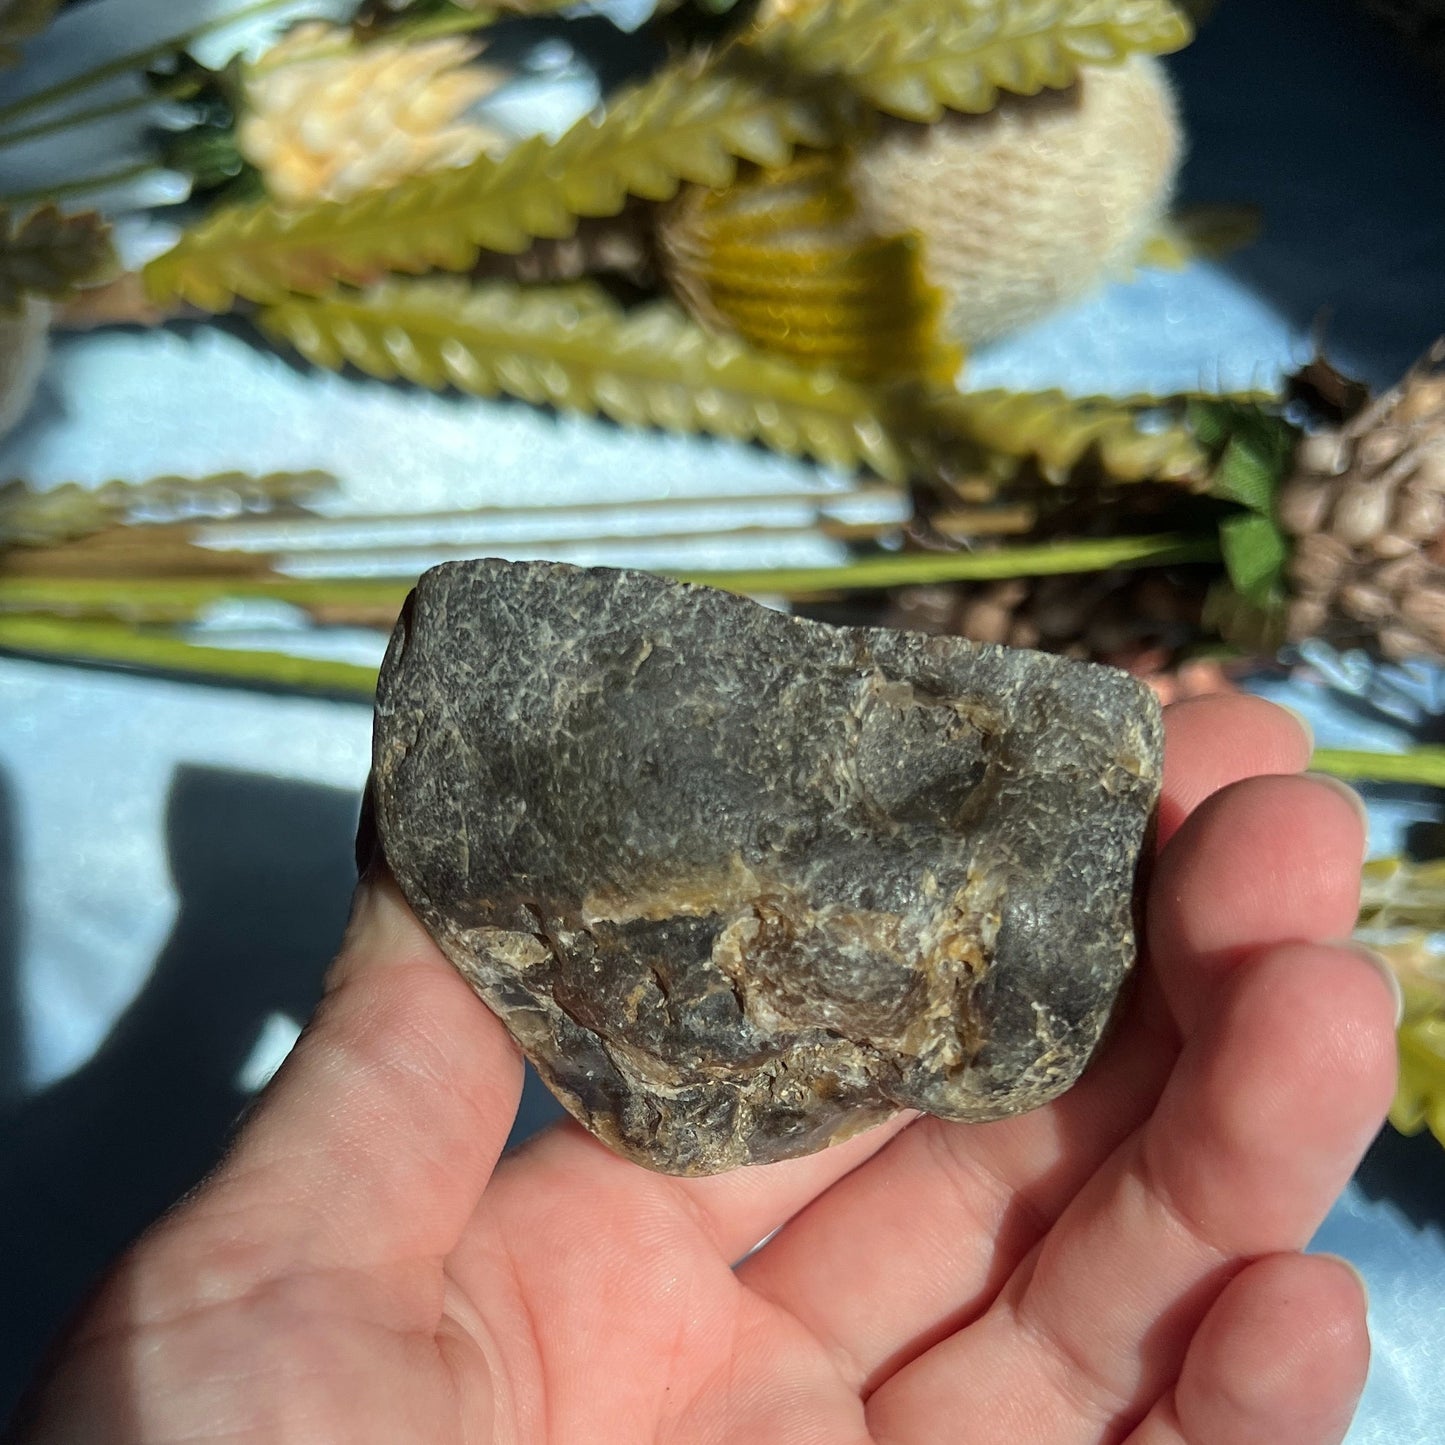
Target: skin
1121 1265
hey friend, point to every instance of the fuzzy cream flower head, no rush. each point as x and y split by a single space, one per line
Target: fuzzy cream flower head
1006 216
1031 206
328 119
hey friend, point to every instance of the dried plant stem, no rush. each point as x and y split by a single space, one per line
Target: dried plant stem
233 532
141 599
81 187
116 644
824 529
75 119
185 599
134 60
962 527
133 552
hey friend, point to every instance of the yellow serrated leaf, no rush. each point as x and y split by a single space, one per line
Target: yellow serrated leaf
649 141
1132 440
656 367
917 58
64 513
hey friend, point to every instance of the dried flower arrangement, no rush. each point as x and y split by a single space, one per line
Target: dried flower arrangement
792 233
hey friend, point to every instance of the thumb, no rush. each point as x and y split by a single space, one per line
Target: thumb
381 1130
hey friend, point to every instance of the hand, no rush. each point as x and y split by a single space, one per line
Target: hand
1122 1264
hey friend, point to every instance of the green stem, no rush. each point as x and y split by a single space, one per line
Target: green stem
118 645
146 599
135 60
80 187
75 119
913 568
1424 765
434 27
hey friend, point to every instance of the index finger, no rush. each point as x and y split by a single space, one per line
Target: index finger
1211 742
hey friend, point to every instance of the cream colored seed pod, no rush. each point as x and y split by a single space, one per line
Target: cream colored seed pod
1008 215
1032 205
327 119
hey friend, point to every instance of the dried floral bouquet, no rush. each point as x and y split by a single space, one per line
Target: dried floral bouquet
792 232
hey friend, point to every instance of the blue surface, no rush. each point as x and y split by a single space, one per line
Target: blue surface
143 993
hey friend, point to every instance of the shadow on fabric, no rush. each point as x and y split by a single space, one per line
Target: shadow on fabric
1408 1173
264 871
1314 113
11 1064
264 874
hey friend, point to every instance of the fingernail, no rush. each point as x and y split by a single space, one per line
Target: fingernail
1347 792
1381 965
1353 1269
1305 726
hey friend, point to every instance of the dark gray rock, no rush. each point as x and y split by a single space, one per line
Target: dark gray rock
742 885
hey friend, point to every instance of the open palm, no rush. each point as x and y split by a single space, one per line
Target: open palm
1121 1265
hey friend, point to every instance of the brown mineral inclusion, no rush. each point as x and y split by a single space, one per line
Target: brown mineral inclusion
742 885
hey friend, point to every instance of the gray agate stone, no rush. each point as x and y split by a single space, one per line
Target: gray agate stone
742 885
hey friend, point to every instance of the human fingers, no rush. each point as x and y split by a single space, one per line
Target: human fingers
738 1209
1264 861
1211 742
1280 1359
1273 1101
950 1209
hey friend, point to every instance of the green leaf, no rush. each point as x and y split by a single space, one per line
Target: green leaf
1254 445
1255 552
694 122
652 367
918 58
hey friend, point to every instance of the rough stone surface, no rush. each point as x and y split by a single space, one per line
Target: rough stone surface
742 885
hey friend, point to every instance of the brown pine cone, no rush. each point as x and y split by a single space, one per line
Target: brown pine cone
1366 503
1138 620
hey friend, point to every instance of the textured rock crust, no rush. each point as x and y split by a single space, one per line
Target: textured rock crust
742 885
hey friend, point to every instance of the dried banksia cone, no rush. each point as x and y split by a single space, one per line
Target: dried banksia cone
1366 505
328 118
1009 215
788 259
1134 619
